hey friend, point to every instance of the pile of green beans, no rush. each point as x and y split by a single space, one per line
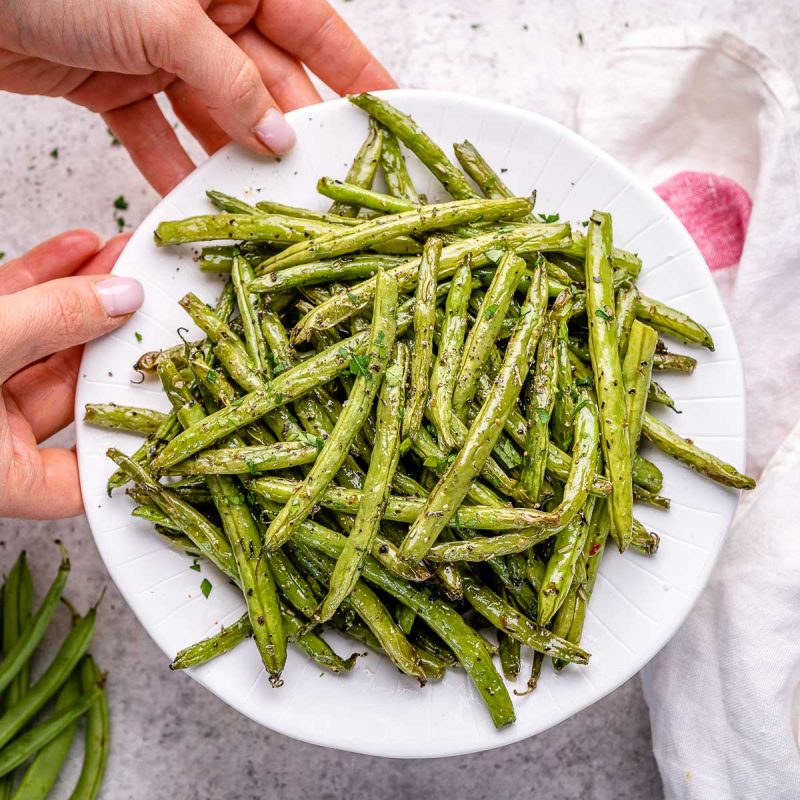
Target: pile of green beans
72 681
409 421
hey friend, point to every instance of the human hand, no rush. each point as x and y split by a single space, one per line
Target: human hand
52 300
227 66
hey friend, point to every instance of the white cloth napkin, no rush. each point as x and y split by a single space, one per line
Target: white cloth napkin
724 695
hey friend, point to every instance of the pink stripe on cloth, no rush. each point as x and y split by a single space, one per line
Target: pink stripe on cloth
715 211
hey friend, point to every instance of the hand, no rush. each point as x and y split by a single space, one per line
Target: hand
52 300
227 66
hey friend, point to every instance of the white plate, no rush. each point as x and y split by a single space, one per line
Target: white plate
638 602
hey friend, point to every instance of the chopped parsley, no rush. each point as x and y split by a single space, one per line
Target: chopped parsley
491 311
195 565
494 255
211 376
549 217
205 587
603 314
543 414
438 464
120 203
138 336
580 38
311 440
54 153
114 141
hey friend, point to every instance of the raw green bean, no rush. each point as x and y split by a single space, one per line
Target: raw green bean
608 375
362 170
453 486
422 356
43 771
69 654
689 454
95 751
124 418
417 141
376 486
18 654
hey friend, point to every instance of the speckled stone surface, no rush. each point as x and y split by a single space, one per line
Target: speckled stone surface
171 739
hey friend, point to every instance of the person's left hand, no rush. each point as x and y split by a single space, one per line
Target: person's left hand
52 300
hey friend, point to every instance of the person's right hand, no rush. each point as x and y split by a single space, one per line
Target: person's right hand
227 66
52 300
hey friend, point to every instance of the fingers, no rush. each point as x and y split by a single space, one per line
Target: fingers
225 79
57 257
44 485
283 74
321 39
54 316
192 112
151 142
44 393
102 262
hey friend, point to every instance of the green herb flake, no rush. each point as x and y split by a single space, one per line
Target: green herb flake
54 153
438 464
114 141
311 440
491 311
211 376
120 223
380 337
580 38
121 204
543 414
603 314
195 565
205 587
550 217
138 336
584 381
354 299
359 365
252 467
2 255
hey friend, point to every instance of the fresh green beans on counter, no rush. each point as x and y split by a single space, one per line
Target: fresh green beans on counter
408 421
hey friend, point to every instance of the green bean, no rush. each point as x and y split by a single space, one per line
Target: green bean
608 375
643 540
418 142
345 268
568 621
369 607
334 451
17 656
479 170
69 654
469 647
486 548
622 260
381 229
242 275
689 454
522 239
650 498
230 204
673 322
565 399
656 393
424 320
95 749
448 359
483 334
43 771
22 748
124 418
674 362
453 486
516 625
271 207
560 569
407 509
272 228
540 401
637 369
247 460
16 619
510 654
376 486
362 170
215 645
205 535
395 171
626 303
647 475
344 192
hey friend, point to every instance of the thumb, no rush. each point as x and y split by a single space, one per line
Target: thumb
59 314
192 47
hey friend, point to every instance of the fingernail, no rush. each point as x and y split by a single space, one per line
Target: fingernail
120 296
275 132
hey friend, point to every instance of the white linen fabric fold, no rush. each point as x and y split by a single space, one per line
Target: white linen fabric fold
724 694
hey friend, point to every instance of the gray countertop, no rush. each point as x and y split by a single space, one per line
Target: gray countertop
171 738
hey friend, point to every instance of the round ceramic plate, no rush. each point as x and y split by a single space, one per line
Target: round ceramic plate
638 602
